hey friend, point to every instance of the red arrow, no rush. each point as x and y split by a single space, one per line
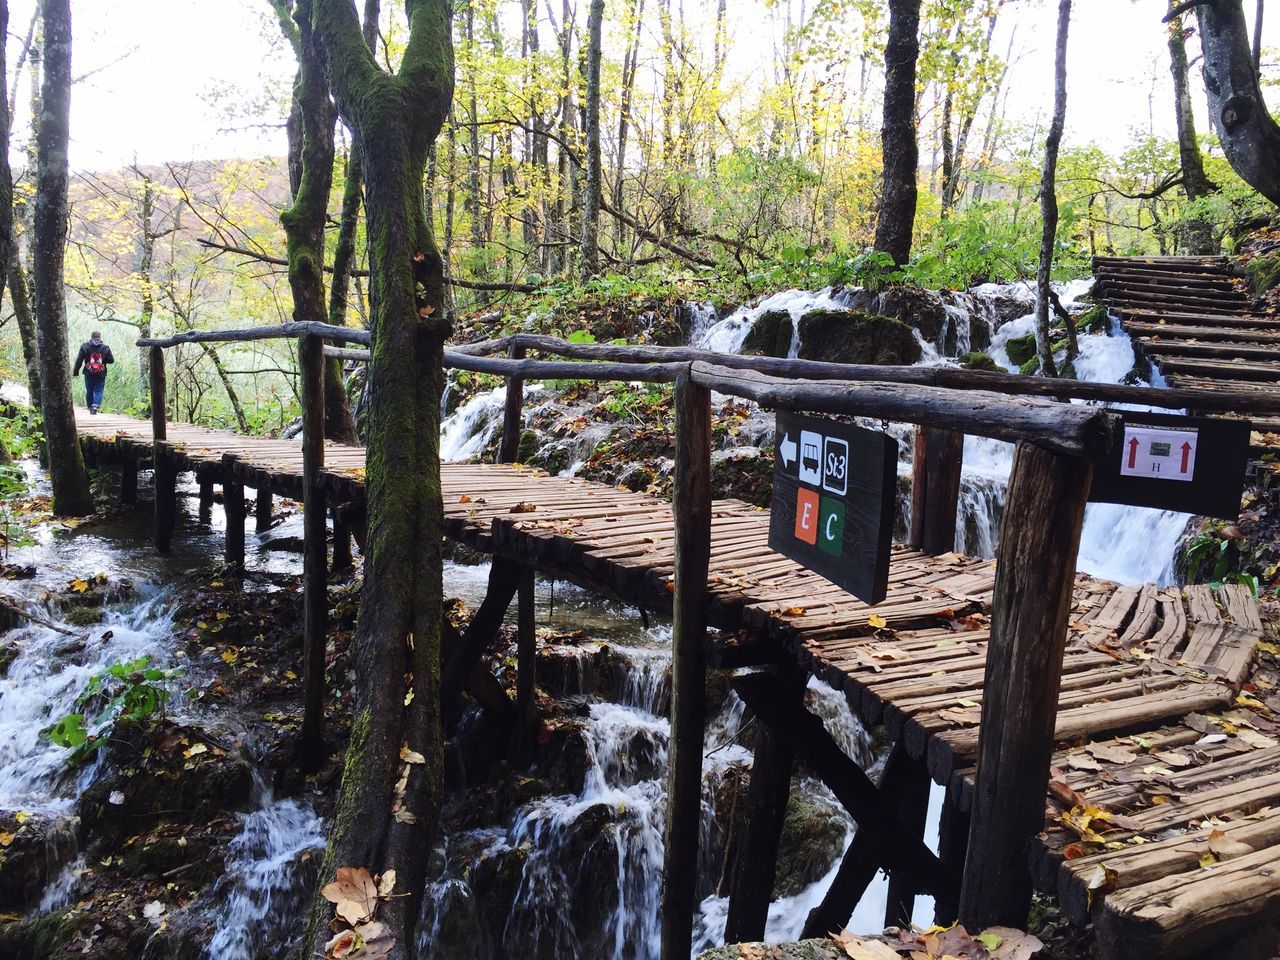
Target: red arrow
1186 455
1133 453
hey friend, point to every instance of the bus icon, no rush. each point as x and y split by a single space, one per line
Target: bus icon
811 458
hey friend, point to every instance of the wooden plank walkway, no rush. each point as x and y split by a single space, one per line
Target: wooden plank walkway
1197 323
1142 664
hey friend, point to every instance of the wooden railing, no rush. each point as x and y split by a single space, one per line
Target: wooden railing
1040 534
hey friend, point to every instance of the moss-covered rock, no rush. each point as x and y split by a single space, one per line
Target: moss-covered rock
1021 349
770 335
1263 273
812 838
1031 367
975 360
845 336
36 850
85 616
743 474
979 333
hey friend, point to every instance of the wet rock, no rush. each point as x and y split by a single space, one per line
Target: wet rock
282 544
743 473
562 760
812 839
979 332
1021 349
159 771
913 306
845 336
803 950
770 335
97 591
974 360
718 853
185 935
85 616
1011 303
36 848
8 653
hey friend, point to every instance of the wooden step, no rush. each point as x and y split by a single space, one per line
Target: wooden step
1227 370
1158 349
1249 321
1209 334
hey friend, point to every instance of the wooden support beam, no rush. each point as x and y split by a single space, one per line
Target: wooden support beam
512 414
504 580
1035 573
767 793
165 483
341 562
262 515
526 668
315 573
937 461
912 801
165 475
481 684
206 500
691 507
233 510
953 843
129 480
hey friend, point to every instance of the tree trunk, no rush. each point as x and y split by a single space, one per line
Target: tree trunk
146 257
629 61
594 187
388 808
1049 196
1198 233
1250 137
237 407
311 154
71 496
898 134
20 297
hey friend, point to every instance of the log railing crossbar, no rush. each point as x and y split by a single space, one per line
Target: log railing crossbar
1056 442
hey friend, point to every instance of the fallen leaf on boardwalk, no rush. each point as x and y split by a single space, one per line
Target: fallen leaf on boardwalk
1225 847
888 653
1101 878
464 499
793 612
1014 944
861 949
524 507
877 621
962 717
354 893
1173 759
1211 738
1082 762
411 756
1072 851
1112 754
1207 860
1257 740
1065 795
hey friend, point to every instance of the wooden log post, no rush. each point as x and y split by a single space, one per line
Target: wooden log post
262 515
691 508
767 794
937 460
1035 574
341 561
913 812
164 474
315 572
953 843
512 415
233 510
526 668
206 499
129 480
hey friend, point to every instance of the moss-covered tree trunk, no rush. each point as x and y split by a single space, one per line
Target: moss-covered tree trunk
1198 236
311 154
898 134
1049 195
388 807
71 496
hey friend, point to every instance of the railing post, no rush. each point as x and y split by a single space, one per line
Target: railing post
233 510
129 480
512 415
206 499
526 668
937 461
314 571
164 471
691 506
1035 574
262 513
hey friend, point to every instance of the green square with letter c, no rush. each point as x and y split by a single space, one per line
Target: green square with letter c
831 526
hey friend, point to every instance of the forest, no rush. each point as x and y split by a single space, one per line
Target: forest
493 304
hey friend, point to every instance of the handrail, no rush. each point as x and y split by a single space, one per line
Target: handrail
281 331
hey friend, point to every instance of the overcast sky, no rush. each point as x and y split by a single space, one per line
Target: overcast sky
159 74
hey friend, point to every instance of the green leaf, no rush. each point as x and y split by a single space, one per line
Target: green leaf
69 731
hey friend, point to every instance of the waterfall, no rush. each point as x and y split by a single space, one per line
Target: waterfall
727 335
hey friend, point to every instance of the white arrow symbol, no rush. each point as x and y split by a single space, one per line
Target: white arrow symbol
788 450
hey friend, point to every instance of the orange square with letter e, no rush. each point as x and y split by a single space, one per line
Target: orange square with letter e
807 516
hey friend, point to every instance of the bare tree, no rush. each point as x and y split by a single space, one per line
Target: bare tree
71 495
1049 196
1198 234
594 184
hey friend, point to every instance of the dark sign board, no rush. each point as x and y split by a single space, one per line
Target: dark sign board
834 492
1190 464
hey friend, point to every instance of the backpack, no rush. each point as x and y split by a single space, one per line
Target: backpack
95 365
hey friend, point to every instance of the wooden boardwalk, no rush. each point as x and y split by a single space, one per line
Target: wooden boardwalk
1195 321
1146 670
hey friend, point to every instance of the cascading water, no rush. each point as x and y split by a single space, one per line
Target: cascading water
727 335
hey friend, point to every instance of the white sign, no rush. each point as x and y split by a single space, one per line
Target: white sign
811 458
1158 453
835 465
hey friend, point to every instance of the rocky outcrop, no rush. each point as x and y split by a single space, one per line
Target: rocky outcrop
846 336
770 335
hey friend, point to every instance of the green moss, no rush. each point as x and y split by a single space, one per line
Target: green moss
1263 273
1021 349
974 360
85 616
1093 320
1030 367
845 336
770 335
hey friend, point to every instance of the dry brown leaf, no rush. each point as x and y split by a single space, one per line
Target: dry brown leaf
1112 753
354 894
1173 758
1225 847
859 949
1064 795
1079 761
1014 944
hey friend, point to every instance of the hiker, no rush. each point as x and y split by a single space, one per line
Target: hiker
94 357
